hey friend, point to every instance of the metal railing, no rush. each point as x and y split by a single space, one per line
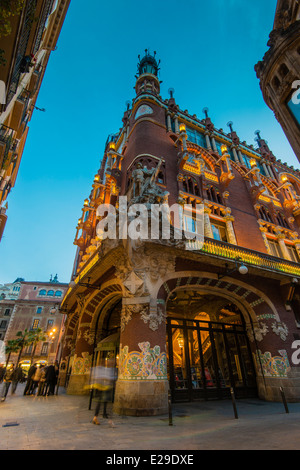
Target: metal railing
250 257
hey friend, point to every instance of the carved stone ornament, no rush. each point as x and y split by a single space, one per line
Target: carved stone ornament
129 310
154 316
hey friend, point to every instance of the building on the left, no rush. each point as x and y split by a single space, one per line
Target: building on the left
31 306
29 30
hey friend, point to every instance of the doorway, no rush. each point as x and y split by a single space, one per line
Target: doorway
208 349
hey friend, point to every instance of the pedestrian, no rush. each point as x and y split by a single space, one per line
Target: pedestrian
51 378
2 372
42 382
36 378
103 382
7 380
29 383
18 376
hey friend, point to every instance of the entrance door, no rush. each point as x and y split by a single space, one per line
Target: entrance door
207 358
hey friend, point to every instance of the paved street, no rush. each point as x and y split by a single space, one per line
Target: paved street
63 422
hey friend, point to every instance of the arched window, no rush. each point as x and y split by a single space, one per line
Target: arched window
58 293
42 292
214 195
50 292
265 215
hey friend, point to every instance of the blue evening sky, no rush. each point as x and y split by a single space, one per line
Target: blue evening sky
207 50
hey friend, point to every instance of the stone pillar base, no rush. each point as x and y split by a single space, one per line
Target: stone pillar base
269 389
141 398
77 385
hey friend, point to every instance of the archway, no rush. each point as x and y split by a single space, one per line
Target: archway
208 347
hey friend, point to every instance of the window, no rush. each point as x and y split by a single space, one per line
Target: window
49 324
7 312
58 293
44 350
196 137
50 292
275 248
219 232
3 324
39 309
35 324
213 195
42 292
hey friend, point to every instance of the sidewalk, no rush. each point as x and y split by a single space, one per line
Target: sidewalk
63 422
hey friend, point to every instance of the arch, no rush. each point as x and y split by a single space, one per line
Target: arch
247 297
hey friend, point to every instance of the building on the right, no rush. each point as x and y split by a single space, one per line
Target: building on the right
279 71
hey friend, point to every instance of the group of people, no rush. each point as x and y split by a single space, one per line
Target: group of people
10 376
41 380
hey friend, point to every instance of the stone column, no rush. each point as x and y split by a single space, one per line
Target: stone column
265 238
230 231
176 125
207 225
214 144
235 155
142 385
82 358
283 247
241 157
208 144
169 126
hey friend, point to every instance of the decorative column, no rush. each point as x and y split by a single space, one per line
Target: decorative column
142 385
207 225
235 155
229 227
82 361
208 144
169 126
281 237
176 125
241 157
265 238
214 144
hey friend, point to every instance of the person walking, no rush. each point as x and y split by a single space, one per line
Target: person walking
2 372
17 377
36 378
51 378
29 383
42 383
103 382
7 380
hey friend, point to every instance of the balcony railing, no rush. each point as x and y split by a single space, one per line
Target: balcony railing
250 257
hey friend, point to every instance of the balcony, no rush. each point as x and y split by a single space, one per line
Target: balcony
250 257
7 143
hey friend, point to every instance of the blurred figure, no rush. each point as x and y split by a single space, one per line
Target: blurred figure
29 383
103 378
18 376
7 380
2 372
36 378
42 382
51 378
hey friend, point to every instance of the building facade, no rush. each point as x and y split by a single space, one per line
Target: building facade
279 71
194 318
29 31
37 306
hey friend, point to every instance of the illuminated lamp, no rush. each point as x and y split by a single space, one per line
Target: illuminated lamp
284 178
253 162
182 128
224 149
86 202
96 179
112 146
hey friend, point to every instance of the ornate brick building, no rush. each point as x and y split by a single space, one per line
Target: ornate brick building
197 321
29 31
279 71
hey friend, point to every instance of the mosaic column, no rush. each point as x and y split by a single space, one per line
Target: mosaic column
142 385
82 361
229 228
